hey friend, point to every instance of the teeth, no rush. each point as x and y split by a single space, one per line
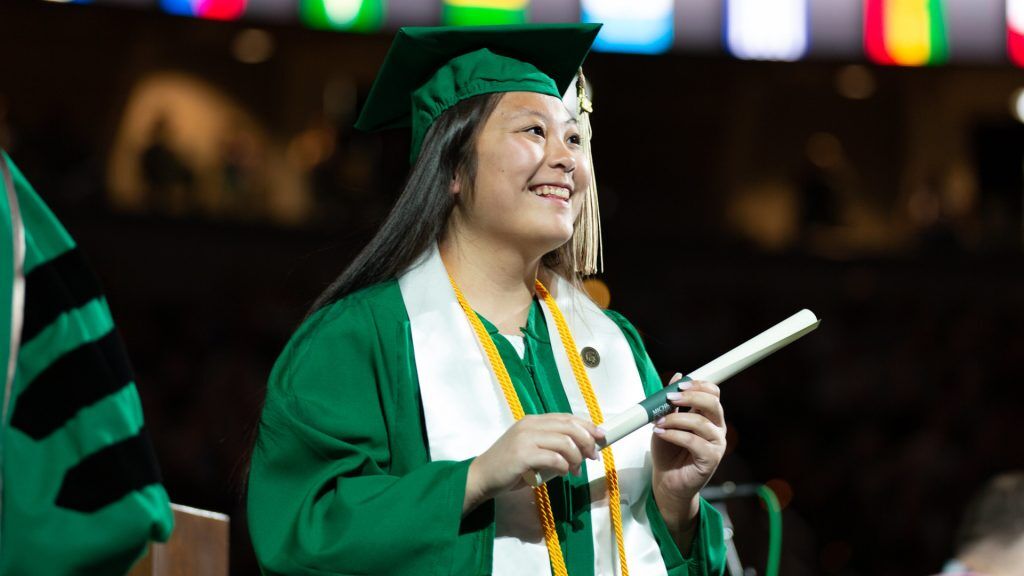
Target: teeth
552 191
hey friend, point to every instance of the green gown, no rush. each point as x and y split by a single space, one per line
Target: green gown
81 487
341 480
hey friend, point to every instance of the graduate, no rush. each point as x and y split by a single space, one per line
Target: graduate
439 410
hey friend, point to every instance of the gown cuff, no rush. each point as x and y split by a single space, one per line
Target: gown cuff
707 549
475 551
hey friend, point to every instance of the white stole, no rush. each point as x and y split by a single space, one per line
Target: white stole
466 412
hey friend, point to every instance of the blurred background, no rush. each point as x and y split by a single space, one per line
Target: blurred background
864 159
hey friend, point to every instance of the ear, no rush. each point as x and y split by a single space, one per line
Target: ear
456 185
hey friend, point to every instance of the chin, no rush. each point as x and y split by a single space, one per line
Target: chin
555 242
546 239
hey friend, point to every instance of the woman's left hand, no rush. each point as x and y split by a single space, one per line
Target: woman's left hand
686 449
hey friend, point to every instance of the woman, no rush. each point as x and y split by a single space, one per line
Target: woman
393 439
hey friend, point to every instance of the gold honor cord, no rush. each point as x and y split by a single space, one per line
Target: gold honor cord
547 517
610 473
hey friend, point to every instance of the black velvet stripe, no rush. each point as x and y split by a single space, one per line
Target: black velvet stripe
110 474
74 381
63 283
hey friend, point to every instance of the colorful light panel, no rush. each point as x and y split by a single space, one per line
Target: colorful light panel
1015 31
905 32
636 26
767 29
484 12
209 9
344 15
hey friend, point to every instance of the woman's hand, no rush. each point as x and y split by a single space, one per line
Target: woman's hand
548 444
686 449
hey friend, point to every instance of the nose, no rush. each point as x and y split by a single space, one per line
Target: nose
561 156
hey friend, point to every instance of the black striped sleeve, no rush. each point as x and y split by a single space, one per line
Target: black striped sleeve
110 474
54 287
74 381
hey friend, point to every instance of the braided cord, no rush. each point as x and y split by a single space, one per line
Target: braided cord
612 476
547 517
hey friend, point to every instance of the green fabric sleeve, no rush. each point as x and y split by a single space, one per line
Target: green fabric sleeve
332 489
79 475
707 553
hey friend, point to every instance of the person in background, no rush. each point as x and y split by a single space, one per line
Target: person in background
990 540
80 490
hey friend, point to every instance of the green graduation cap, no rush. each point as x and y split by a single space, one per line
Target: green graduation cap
430 69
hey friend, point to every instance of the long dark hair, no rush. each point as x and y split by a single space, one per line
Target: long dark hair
421 212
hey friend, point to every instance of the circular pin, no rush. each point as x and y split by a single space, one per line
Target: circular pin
590 357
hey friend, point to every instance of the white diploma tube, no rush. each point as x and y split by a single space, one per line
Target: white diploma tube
717 371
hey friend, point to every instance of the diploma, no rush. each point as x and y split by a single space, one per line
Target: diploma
717 371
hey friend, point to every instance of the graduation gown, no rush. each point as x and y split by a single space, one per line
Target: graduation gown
81 486
341 479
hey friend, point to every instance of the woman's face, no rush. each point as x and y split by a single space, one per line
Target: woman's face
531 174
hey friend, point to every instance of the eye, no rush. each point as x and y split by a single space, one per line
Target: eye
538 130
575 140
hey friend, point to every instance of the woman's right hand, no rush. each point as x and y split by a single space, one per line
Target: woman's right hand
548 444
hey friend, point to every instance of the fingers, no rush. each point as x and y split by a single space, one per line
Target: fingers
694 424
695 433
549 464
593 431
548 444
583 433
699 395
703 403
701 385
706 455
552 444
559 453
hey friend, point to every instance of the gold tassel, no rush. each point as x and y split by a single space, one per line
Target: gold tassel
587 246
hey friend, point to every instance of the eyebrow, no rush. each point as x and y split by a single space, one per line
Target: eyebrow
523 111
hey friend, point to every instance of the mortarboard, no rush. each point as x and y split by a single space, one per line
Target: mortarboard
430 69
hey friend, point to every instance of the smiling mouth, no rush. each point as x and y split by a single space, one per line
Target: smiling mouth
549 191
